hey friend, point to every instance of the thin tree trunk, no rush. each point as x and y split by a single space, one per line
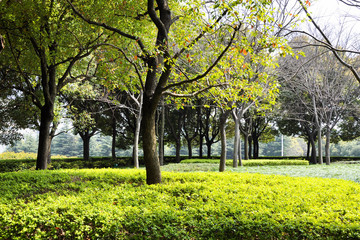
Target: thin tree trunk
136 142
256 148
320 161
113 143
240 156
177 148
308 150
137 136
161 134
246 146
201 136
327 146
236 143
223 118
250 147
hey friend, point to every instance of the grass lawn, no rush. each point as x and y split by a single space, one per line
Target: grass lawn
339 171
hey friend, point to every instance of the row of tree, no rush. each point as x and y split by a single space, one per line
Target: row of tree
124 68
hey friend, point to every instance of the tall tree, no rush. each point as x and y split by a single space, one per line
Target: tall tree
323 86
45 42
180 32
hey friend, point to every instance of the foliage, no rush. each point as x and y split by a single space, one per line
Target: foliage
262 162
117 204
19 155
61 162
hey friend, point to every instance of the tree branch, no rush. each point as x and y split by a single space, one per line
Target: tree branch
193 42
110 28
168 93
350 67
209 68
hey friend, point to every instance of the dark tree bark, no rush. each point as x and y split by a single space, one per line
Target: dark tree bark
86 136
48 76
174 120
201 135
46 118
153 173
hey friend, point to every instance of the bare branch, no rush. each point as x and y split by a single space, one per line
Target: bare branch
352 69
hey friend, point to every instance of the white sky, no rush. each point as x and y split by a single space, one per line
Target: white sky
334 12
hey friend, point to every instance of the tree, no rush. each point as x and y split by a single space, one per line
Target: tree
324 87
164 73
174 120
325 41
48 31
190 127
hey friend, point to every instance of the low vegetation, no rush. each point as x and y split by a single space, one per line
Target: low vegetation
262 162
117 204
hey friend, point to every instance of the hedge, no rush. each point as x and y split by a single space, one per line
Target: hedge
117 204
263 162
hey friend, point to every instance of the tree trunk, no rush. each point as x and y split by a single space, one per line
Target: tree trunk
236 143
250 147
308 150
161 134
46 118
208 145
240 157
113 143
201 142
256 147
152 164
246 147
177 148
136 138
327 146
189 149
136 142
223 118
201 136
86 147
313 151
320 161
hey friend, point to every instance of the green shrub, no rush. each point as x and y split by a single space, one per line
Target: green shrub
262 162
117 204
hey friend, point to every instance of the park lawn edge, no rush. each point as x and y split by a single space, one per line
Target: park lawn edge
117 204
255 162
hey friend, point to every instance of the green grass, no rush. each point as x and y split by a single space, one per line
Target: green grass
117 204
339 171
256 162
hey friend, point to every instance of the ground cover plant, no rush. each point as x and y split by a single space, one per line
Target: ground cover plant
117 204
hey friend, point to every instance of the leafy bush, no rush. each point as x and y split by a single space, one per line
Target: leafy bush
23 156
262 162
116 204
20 155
